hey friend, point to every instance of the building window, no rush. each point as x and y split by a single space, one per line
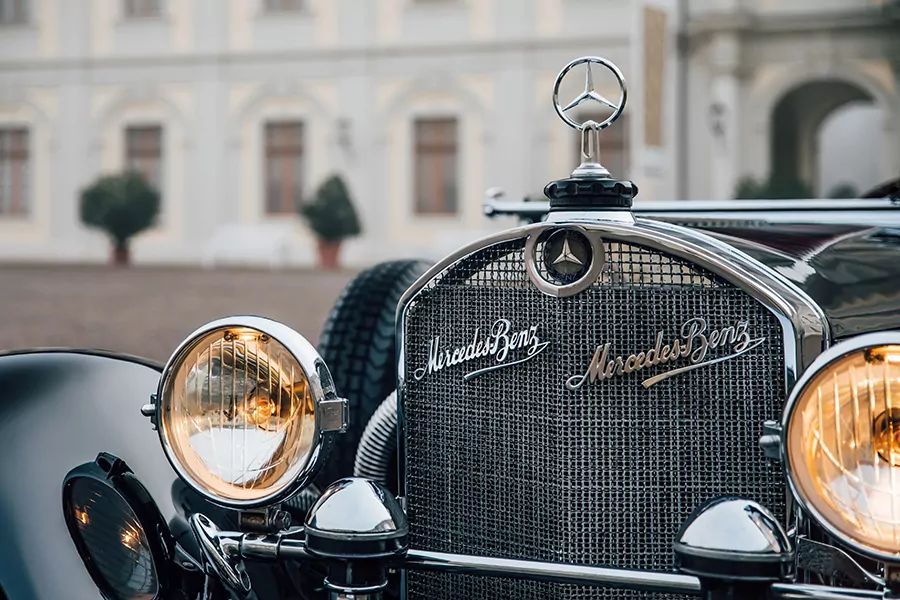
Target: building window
436 155
13 12
14 179
143 153
284 5
143 9
613 145
284 167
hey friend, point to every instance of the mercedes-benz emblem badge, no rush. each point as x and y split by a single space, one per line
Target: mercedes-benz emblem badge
590 93
567 255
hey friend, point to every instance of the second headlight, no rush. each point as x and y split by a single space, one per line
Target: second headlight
245 411
841 434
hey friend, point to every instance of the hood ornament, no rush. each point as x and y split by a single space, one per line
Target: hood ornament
591 186
590 130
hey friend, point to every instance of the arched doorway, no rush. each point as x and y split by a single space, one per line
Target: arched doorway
846 167
810 123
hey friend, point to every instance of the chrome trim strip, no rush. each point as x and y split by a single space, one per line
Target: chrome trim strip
794 591
646 581
866 212
291 548
570 216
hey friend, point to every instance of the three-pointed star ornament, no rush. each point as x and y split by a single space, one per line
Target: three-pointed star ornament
566 255
589 93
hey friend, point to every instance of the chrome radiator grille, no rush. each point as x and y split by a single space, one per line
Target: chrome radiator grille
513 464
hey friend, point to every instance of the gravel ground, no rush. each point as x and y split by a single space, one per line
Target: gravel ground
148 311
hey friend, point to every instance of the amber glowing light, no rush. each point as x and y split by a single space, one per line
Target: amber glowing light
843 447
242 418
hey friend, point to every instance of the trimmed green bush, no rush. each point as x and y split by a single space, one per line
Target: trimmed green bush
122 206
331 214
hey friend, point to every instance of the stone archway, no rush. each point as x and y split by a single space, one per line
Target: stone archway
796 121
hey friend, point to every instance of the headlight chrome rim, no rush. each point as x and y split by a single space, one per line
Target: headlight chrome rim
330 414
825 360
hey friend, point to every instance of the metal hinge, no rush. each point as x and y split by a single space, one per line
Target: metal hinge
149 410
334 414
770 442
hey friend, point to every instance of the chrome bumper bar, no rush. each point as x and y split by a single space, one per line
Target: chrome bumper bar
645 581
257 547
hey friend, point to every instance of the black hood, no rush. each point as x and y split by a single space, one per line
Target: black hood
852 272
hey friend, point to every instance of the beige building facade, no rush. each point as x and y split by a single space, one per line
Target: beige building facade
765 75
238 109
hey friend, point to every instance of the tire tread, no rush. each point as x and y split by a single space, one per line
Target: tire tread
358 343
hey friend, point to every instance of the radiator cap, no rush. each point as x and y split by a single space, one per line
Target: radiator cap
734 539
586 193
590 187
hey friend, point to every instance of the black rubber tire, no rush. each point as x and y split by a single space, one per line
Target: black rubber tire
358 344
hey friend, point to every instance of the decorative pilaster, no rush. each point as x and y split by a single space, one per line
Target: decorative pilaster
723 115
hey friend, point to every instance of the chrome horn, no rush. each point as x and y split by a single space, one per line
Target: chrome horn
356 528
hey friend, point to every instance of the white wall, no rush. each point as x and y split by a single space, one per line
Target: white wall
211 71
845 148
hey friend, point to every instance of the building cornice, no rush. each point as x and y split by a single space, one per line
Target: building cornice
316 54
749 22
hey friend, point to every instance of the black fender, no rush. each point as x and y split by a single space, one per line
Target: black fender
59 409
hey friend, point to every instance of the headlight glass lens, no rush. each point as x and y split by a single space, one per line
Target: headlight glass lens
843 447
238 415
115 542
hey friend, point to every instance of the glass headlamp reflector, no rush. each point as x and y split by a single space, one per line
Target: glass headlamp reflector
842 443
240 411
118 530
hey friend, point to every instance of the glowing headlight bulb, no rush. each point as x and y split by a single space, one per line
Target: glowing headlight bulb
244 409
842 443
886 436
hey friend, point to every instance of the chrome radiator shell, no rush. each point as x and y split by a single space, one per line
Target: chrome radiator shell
557 516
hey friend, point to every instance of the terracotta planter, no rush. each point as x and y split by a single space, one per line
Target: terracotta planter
329 254
121 255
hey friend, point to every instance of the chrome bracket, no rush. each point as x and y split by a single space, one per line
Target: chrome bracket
221 553
264 520
335 414
770 442
149 411
835 565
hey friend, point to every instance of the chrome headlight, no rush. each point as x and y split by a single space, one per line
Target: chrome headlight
118 530
841 440
246 410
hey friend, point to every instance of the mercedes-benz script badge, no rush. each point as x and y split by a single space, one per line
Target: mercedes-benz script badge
694 345
508 348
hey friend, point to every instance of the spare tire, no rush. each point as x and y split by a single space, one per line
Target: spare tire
358 343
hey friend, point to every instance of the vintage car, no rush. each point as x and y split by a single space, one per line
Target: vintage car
612 401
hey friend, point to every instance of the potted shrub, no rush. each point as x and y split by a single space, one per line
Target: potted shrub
122 206
332 218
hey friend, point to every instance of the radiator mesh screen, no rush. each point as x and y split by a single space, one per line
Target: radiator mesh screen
513 464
